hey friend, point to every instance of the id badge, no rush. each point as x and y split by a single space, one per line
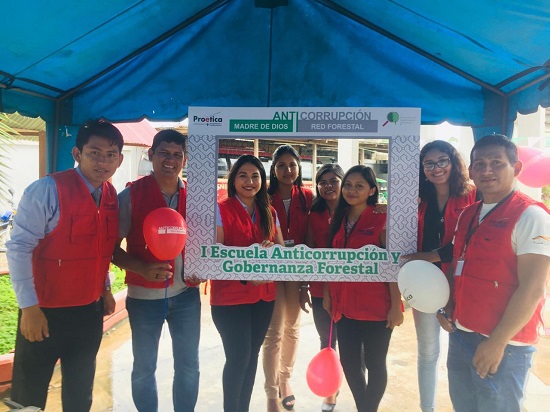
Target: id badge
459 266
289 243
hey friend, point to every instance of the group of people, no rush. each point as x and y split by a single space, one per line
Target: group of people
70 226
493 244
252 314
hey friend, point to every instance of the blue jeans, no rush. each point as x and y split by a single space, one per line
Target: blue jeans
503 392
427 336
146 320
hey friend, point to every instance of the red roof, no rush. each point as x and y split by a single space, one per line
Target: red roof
137 134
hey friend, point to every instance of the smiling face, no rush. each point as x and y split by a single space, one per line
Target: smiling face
98 160
492 172
440 173
356 190
168 160
248 182
287 169
329 186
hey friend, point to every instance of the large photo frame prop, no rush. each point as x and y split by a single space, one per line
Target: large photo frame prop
209 260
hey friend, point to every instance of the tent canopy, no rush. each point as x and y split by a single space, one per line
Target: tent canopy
470 62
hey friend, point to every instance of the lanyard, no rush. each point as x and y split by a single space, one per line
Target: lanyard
346 234
287 216
471 230
288 219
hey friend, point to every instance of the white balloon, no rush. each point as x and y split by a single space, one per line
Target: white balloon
423 285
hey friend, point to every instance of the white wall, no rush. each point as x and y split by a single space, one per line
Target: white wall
462 138
128 171
531 127
22 168
22 162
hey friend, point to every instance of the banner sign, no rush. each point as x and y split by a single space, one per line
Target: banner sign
209 260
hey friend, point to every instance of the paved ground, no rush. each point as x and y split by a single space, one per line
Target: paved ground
112 386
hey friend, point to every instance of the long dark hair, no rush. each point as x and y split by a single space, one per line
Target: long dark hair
262 199
341 210
458 180
319 204
274 182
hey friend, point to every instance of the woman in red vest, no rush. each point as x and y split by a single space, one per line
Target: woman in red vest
444 193
366 312
241 310
328 178
292 203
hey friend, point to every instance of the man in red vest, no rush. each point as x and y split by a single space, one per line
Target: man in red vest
500 268
158 290
64 232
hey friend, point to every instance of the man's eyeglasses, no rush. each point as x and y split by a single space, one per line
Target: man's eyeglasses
442 164
331 182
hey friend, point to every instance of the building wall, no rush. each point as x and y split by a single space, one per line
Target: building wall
22 167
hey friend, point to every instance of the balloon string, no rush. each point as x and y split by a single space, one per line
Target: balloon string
165 297
330 334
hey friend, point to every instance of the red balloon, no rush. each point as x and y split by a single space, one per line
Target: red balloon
536 171
525 153
324 373
165 233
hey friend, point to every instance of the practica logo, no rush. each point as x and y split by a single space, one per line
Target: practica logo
211 120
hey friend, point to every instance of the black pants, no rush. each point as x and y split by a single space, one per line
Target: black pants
75 336
242 329
364 344
322 321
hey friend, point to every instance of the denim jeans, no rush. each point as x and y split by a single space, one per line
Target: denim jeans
146 320
503 392
427 335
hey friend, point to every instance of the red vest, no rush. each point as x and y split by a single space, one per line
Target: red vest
455 206
146 196
361 300
70 264
489 275
296 228
239 230
320 226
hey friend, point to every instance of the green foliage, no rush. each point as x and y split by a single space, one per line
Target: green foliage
546 195
8 315
118 284
10 309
